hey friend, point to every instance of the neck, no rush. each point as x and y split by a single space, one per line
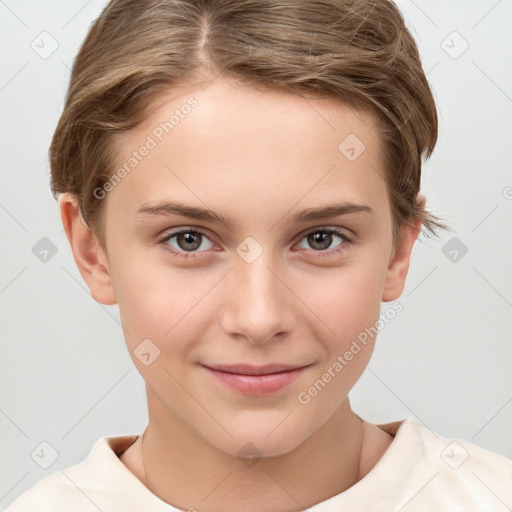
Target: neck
182 469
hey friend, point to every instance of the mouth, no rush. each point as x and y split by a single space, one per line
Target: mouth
256 380
246 369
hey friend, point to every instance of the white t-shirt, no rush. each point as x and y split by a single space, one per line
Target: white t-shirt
419 472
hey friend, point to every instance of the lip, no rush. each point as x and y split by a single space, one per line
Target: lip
256 380
247 369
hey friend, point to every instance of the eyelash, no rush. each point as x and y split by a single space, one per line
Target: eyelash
321 254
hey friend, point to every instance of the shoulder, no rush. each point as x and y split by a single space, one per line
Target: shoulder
458 472
458 453
54 492
84 486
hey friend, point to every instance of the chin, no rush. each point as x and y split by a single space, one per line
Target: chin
260 440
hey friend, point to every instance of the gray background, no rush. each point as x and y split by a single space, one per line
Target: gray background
66 376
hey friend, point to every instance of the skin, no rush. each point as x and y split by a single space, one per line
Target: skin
259 157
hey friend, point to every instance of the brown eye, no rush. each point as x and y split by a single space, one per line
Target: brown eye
186 243
322 240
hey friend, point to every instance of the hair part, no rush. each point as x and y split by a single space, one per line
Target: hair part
136 51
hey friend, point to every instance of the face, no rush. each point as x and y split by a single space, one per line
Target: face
267 275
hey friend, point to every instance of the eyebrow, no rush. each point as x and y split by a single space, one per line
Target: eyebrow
193 212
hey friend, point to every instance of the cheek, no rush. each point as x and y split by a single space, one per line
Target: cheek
349 304
346 300
163 304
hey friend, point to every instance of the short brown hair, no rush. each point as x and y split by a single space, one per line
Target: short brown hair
358 51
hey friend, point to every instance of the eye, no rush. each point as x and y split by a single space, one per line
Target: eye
321 239
187 241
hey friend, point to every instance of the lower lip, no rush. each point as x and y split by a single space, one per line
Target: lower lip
257 385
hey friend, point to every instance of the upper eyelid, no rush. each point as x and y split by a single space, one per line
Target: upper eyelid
342 230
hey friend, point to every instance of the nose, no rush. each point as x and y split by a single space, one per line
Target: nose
258 304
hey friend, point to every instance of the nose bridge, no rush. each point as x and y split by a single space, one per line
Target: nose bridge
258 306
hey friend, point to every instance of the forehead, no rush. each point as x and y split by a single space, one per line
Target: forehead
230 142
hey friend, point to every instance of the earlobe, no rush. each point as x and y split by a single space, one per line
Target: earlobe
88 254
399 266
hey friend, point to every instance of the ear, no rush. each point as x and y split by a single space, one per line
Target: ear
399 264
90 258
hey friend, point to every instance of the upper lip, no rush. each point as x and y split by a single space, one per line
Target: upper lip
247 369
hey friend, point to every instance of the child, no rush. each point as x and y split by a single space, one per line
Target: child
256 131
